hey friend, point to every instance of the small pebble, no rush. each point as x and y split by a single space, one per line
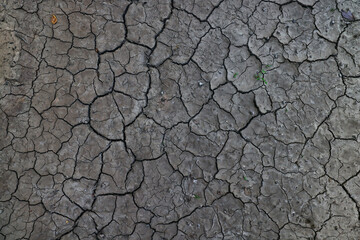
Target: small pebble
200 84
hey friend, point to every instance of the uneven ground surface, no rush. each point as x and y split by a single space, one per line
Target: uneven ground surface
143 119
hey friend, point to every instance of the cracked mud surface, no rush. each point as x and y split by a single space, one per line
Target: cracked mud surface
143 120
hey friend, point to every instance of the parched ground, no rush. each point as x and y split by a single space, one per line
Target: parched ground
145 120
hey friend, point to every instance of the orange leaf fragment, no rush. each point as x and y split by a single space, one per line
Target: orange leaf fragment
53 19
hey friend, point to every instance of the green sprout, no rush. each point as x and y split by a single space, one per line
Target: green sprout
332 10
235 74
196 196
245 178
261 75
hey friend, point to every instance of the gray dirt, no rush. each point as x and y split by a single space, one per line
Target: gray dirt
152 119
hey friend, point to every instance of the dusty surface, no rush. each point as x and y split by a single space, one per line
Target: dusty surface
144 120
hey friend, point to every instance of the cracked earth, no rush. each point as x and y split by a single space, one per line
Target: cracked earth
143 119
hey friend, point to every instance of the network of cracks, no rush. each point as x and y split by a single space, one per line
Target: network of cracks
147 119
